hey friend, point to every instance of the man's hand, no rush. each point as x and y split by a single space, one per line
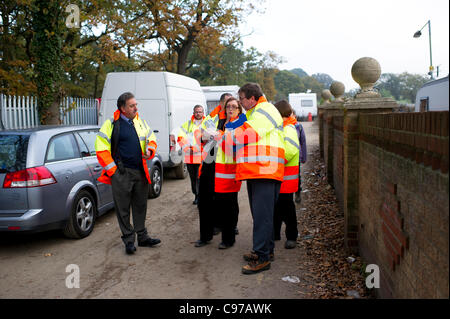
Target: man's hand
148 155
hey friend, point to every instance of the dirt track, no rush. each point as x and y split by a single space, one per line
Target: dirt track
34 266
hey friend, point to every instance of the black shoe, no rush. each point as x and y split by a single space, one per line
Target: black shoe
195 202
149 242
298 197
216 231
129 248
236 231
201 243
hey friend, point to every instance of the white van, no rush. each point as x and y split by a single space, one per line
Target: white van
433 96
303 104
213 93
165 100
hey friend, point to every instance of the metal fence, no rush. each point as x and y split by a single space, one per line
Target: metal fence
21 111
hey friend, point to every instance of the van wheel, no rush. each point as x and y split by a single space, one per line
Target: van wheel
181 171
82 217
156 178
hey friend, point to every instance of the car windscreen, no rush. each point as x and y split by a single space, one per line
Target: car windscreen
13 152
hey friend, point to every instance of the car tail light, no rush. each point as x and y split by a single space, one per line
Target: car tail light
30 177
172 143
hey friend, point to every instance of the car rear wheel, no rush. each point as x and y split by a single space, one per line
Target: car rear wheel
181 171
156 185
82 216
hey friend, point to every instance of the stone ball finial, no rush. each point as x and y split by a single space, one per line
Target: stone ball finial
366 72
326 95
338 90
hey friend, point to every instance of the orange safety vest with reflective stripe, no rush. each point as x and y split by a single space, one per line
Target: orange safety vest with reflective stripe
260 143
225 172
292 156
189 139
147 141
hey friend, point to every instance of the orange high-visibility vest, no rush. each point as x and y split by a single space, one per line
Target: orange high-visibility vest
225 172
189 140
292 155
147 141
260 143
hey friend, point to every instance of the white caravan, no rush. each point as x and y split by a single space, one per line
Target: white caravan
303 104
165 100
213 93
433 96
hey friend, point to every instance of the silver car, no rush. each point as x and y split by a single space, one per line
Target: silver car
48 180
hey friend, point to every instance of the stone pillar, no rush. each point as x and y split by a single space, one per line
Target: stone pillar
365 72
326 95
330 110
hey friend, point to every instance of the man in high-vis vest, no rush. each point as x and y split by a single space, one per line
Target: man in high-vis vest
285 206
123 145
189 140
260 161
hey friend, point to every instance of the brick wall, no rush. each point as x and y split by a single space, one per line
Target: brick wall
403 202
338 158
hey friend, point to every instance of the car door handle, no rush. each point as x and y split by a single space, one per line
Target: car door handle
155 131
97 168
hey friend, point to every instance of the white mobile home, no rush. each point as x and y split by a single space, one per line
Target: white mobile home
433 96
303 104
165 100
213 93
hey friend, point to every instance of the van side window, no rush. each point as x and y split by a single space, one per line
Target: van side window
89 138
83 148
424 104
62 147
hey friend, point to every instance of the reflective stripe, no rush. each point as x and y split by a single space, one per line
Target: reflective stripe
269 117
216 119
263 158
290 177
189 126
226 176
142 138
109 166
184 130
101 134
290 140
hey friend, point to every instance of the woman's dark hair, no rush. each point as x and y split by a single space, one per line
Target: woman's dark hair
123 98
238 103
251 89
284 108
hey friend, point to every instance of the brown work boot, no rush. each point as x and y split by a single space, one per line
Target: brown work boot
252 256
254 267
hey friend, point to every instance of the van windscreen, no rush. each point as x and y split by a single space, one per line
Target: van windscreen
13 152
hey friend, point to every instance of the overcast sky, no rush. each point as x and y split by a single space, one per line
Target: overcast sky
328 36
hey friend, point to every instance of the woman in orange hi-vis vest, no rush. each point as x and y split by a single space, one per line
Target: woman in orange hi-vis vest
260 161
285 206
226 186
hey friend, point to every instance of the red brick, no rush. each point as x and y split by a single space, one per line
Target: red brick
391 251
391 188
400 237
394 242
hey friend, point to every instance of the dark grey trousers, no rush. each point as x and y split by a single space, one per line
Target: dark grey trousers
130 189
262 195
193 175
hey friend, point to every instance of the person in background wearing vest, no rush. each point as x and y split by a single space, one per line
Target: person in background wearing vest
123 146
189 141
226 186
303 155
207 205
260 161
285 206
